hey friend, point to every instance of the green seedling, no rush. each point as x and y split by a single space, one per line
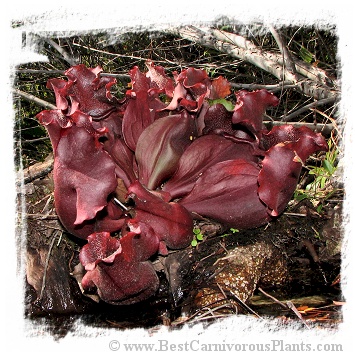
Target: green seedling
231 231
234 230
198 237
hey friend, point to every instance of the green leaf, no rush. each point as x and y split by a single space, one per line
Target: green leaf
196 231
226 103
300 196
306 55
323 182
316 171
328 166
234 230
199 236
194 242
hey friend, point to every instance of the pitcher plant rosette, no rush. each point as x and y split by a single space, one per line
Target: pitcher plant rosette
132 175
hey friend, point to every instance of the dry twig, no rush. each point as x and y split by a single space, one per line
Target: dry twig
239 47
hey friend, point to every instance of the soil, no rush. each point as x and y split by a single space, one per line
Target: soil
288 269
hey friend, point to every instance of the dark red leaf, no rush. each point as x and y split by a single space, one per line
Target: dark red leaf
85 169
90 90
278 178
159 79
116 267
170 221
193 85
54 121
137 116
122 282
60 88
179 93
304 141
196 81
282 164
203 153
139 241
218 120
115 145
123 158
250 108
84 175
160 146
101 247
228 193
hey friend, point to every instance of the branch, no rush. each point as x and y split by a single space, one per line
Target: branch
32 98
287 118
314 73
41 71
60 72
286 57
239 47
62 51
324 129
270 87
305 69
38 170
